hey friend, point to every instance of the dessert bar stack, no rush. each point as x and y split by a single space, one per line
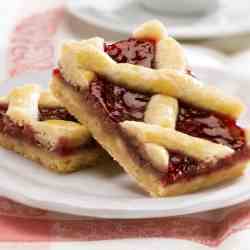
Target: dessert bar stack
139 101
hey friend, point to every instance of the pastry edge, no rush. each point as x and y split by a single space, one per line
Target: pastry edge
50 160
117 149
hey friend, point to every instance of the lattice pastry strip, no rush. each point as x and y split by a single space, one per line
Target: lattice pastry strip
22 130
23 104
198 148
169 53
73 72
161 110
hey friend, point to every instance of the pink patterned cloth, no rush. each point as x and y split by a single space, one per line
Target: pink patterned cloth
32 48
31 44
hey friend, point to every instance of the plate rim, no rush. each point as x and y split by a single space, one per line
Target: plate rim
176 33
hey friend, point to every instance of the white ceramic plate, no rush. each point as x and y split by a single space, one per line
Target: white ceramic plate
232 17
105 191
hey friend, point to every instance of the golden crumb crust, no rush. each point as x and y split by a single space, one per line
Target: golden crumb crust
61 164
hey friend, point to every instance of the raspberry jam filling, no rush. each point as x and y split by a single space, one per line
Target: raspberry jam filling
55 113
209 125
133 51
119 103
46 113
184 167
26 132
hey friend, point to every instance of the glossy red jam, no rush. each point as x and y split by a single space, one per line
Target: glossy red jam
12 129
47 113
54 113
139 52
26 132
210 125
56 72
119 103
185 167
181 166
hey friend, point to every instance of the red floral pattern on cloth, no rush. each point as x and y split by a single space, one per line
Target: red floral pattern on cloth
31 48
31 43
59 228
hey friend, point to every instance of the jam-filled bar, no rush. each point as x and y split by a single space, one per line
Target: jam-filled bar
141 102
34 124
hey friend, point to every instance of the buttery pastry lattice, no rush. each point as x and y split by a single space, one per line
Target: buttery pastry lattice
168 83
